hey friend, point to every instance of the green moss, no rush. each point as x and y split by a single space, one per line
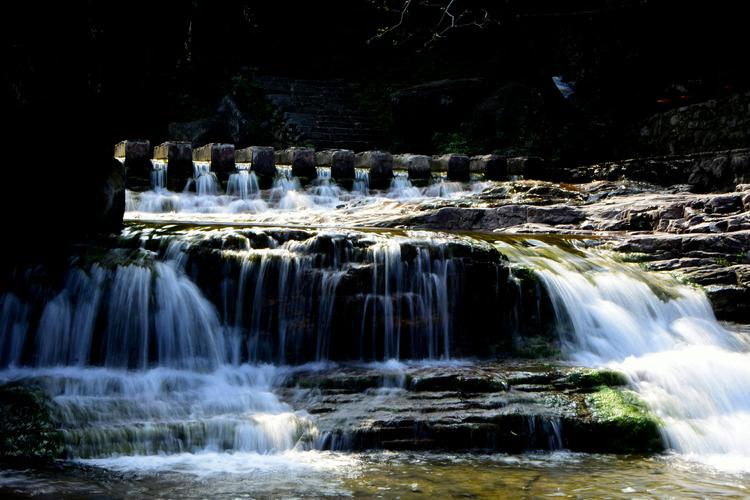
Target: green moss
625 420
594 378
635 257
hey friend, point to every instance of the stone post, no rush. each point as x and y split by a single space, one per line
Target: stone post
342 166
179 159
221 157
418 167
380 167
136 157
303 163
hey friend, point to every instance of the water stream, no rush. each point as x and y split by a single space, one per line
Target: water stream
165 353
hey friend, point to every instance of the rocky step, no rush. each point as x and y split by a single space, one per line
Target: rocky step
474 407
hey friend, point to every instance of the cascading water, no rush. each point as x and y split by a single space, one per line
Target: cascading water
139 361
159 346
688 368
287 200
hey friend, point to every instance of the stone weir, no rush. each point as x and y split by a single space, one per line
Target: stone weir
177 166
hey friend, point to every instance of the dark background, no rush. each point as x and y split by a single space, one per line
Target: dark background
79 76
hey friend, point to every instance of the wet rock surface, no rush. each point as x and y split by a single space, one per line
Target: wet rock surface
507 406
28 431
704 238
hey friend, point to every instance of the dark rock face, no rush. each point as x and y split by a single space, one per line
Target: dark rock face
27 426
110 200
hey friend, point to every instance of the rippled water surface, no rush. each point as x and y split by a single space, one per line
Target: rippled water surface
380 475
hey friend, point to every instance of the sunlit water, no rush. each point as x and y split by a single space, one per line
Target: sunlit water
321 202
692 372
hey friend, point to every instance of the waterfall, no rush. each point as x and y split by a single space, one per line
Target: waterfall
204 194
141 360
205 181
160 345
158 175
690 370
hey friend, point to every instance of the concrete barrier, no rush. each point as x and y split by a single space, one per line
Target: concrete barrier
261 158
456 166
342 165
135 155
303 162
493 167
418 166
221 157
379 165
179 159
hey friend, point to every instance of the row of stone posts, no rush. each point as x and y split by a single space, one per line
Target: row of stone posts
225 160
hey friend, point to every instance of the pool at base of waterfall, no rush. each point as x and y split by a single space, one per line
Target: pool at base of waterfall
315 474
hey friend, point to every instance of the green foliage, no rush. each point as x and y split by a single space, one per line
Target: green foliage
452 142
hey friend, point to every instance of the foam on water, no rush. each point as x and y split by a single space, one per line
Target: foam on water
692 372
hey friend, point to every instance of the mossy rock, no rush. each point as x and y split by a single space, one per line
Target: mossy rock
614 420
27 425
591 378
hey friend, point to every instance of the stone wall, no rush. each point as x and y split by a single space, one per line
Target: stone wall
709 126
